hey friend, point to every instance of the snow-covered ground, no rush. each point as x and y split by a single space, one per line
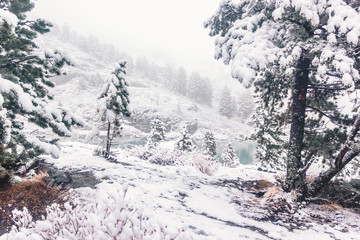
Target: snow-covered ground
176 199
181 198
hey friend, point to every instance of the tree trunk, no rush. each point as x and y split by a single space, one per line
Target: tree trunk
346 154
294 178
108 141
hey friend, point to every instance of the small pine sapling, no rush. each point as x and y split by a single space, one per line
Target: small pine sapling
229 156
184 143
209 145
112 106
156 134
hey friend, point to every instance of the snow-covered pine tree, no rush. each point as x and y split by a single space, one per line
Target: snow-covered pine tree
245 106
184 143
227 105
199 89
229 157
169 73
113 105
194 86
24 82
179 82
209 145
157 133
302 56
207 92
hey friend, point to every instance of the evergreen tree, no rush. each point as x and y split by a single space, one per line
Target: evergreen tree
169 74
184 143
180 81
199 89
194 86
229 156
227 106
245 105
302 56
157 133
207 92
113 103
24 82
209 145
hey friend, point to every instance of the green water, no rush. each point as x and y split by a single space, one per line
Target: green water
245 150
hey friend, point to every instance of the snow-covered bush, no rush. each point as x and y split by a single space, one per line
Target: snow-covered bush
95 214
175 157
159 155
204 163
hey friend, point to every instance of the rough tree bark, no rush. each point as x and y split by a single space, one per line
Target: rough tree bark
295 179
108 142
347 153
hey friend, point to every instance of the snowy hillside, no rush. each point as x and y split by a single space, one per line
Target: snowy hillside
148 98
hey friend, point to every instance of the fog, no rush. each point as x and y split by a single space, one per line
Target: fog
162 30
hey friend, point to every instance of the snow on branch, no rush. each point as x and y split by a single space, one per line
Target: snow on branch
267 34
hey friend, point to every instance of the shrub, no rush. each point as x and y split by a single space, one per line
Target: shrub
103 215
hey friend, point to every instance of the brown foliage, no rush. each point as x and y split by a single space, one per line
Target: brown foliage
331 207
34 194
264 184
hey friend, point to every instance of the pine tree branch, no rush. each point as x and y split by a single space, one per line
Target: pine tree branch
345 155
325 85
11 62
325 88
306 167
338 86
333 119
340 158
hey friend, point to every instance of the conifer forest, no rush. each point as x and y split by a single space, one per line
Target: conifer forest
180 120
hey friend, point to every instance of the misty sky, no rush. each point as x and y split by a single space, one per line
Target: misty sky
162 30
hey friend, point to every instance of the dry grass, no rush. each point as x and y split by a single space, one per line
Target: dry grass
40 177
204 165
272 192
264 184
331 207
34 194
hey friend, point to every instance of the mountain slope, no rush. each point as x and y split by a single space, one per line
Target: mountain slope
148 98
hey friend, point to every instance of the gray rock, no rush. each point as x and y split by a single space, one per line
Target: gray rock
69 178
